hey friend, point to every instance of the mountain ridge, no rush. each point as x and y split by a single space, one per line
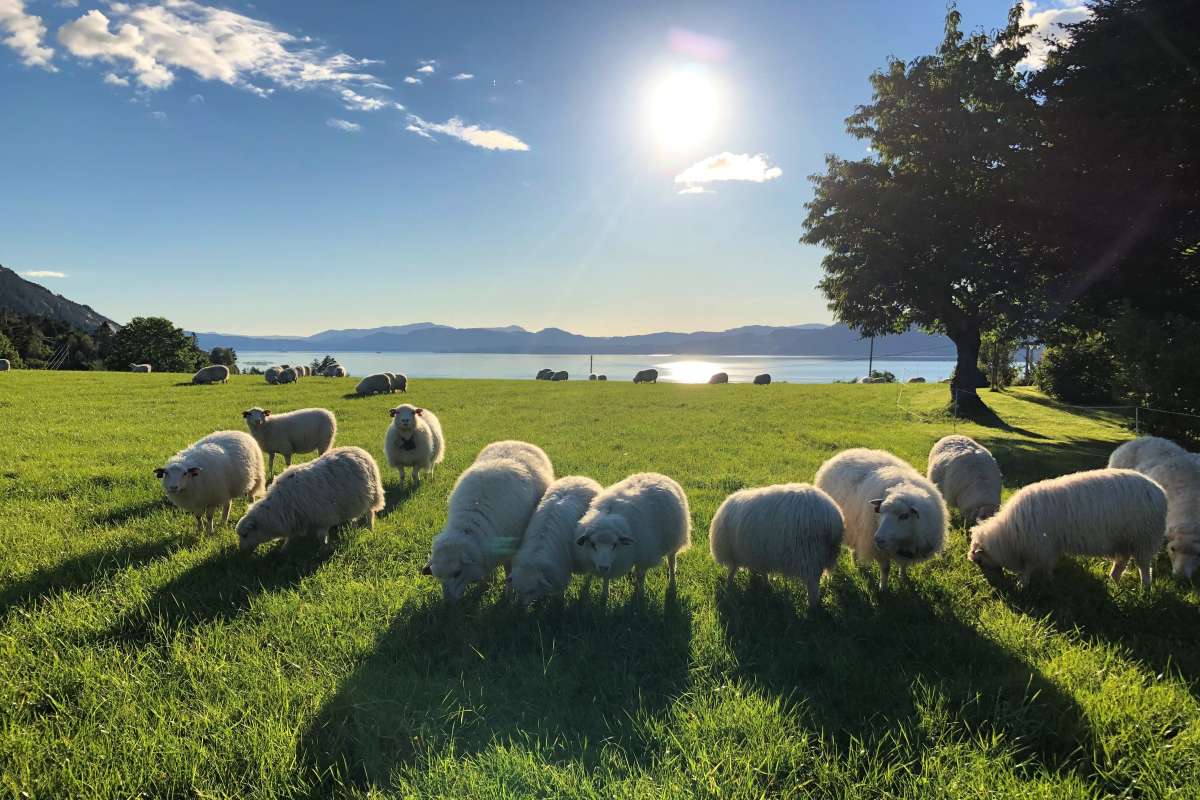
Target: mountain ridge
21 296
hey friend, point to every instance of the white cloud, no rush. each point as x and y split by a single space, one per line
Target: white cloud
344 125
1047 27
68 3
471 134
727 167
159 115
357 102
696 190
44 273
463 76
377 85
196 98
427 69
113 79
160 38
411 80
25 35
399 106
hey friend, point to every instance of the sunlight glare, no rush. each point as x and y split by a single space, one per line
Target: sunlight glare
688 371
682 107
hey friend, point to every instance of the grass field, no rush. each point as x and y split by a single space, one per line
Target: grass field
139 658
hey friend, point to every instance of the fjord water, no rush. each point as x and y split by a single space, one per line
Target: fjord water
671 368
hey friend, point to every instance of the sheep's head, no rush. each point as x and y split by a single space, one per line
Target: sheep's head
977 554
255 416
980 513
256 527
177 477
528 584
602 536
405 417
455 566
898 531
1183 546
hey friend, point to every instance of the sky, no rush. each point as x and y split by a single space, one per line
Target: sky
288 166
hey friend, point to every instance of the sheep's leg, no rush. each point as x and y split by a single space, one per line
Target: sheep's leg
671 570
322 536
639 578
287 459
604 592
1026 577
225 512
287 542
814 593
1118 567
416 479
211 516
904 571
199 524
885 566
1144 563
271 464
729 580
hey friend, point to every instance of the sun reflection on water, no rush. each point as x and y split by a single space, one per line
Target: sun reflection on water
688 371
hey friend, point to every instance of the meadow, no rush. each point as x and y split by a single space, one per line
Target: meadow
139 658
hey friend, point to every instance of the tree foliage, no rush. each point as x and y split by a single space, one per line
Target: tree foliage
156 341
41 342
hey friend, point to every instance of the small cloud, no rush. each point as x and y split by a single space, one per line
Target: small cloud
113 79
427 69
399 106
44 273
196 98
343 125
159 115
463 76
411 80
68 3
1047 28
25 34
727 167
696 190
427 62
380 86
471 134
357 102
418 131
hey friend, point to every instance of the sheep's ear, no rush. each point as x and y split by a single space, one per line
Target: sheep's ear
876 504
427 569
266 413
159 472
419 411
245 414
914 512
392 412
582 540
193 471
624 541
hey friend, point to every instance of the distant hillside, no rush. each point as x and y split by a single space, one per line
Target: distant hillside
830 341
25 297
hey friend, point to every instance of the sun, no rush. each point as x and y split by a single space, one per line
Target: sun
682 108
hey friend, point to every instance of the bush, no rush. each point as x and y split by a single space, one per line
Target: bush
996 360
7 350
158 342
1078 368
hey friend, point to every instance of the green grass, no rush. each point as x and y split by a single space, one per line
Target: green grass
139 658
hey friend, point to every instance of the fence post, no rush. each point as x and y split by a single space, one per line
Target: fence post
1137 420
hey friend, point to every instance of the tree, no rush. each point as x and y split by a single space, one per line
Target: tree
223 355
7 350
156 341
936 229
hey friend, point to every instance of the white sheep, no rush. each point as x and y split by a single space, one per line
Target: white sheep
490 507
1180 479
967 475
287 375
548 553
272 375
312 498
414 440
1143 453
140 368
207 475
336 371
379 383
792 529
1114 513
213 373
632 525
301 431
892 512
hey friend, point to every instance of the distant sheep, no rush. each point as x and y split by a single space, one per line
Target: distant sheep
892 512
287 375
792 529
414 440
1144 452
646 376
378 383
214 373
561 375
916 380
601 377
301 431
544 374
720 377
211 472
271 375
315 497
633 525
6 365
592 377
1180 479
548 553
967 475
762 380
336 371
399 382
132 367
1114 513
490 508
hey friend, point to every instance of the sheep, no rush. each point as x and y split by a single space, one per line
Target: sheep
544 374
601 377
213 373
792 529
6 365
548 553
414 439
132 367
719 377
916 380
208 474
287 375
399 382
646 376
561 375
272 375
1143 453
301 431
379 383
336 371
592 377
967 475
1180 479
892 512
490 507
341 485
632 525
762 380
1116 513
307 370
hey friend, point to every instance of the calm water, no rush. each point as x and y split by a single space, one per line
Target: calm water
677 369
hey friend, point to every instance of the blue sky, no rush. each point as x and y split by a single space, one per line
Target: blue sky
246 168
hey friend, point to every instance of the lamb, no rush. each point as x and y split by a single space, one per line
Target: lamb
211 472
548 553
379 383
967 475
632 525
272 375
313 498
414 439
646 376
490 507
892 512
762 380
792 529
287 375
133 367
719 377
300 431
1116 513
213 373
1143 453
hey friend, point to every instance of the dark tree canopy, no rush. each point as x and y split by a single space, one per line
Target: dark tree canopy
156 341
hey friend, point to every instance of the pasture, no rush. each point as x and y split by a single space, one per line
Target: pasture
138 658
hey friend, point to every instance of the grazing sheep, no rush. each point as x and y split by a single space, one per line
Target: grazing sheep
6 365
592 377
490 507
132 367
1143 453
1180 479
720 377
399 382
792 529
300 431
892 512
213 373
561 375
544 374
272 375
967 475
916 380
210 473
601 377
548 553
1115 513
312 498
632 525
379 383
287 375
336 371
646 376
762 380
414 439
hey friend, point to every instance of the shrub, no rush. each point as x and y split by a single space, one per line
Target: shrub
1078 368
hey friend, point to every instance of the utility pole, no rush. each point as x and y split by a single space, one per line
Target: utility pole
871 359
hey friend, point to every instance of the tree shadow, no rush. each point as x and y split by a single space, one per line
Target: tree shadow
571 675
124 514
860 670
1028 462
1099 412
985 416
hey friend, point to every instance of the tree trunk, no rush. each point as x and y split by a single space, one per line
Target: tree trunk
967 377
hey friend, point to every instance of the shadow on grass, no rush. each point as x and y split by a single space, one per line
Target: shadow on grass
1099 412
123 514
985 416
865 667
571 676
1028 462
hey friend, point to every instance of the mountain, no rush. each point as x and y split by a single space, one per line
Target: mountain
25 297
829 341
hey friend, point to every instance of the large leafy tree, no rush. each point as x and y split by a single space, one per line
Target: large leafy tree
156 341
938 228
